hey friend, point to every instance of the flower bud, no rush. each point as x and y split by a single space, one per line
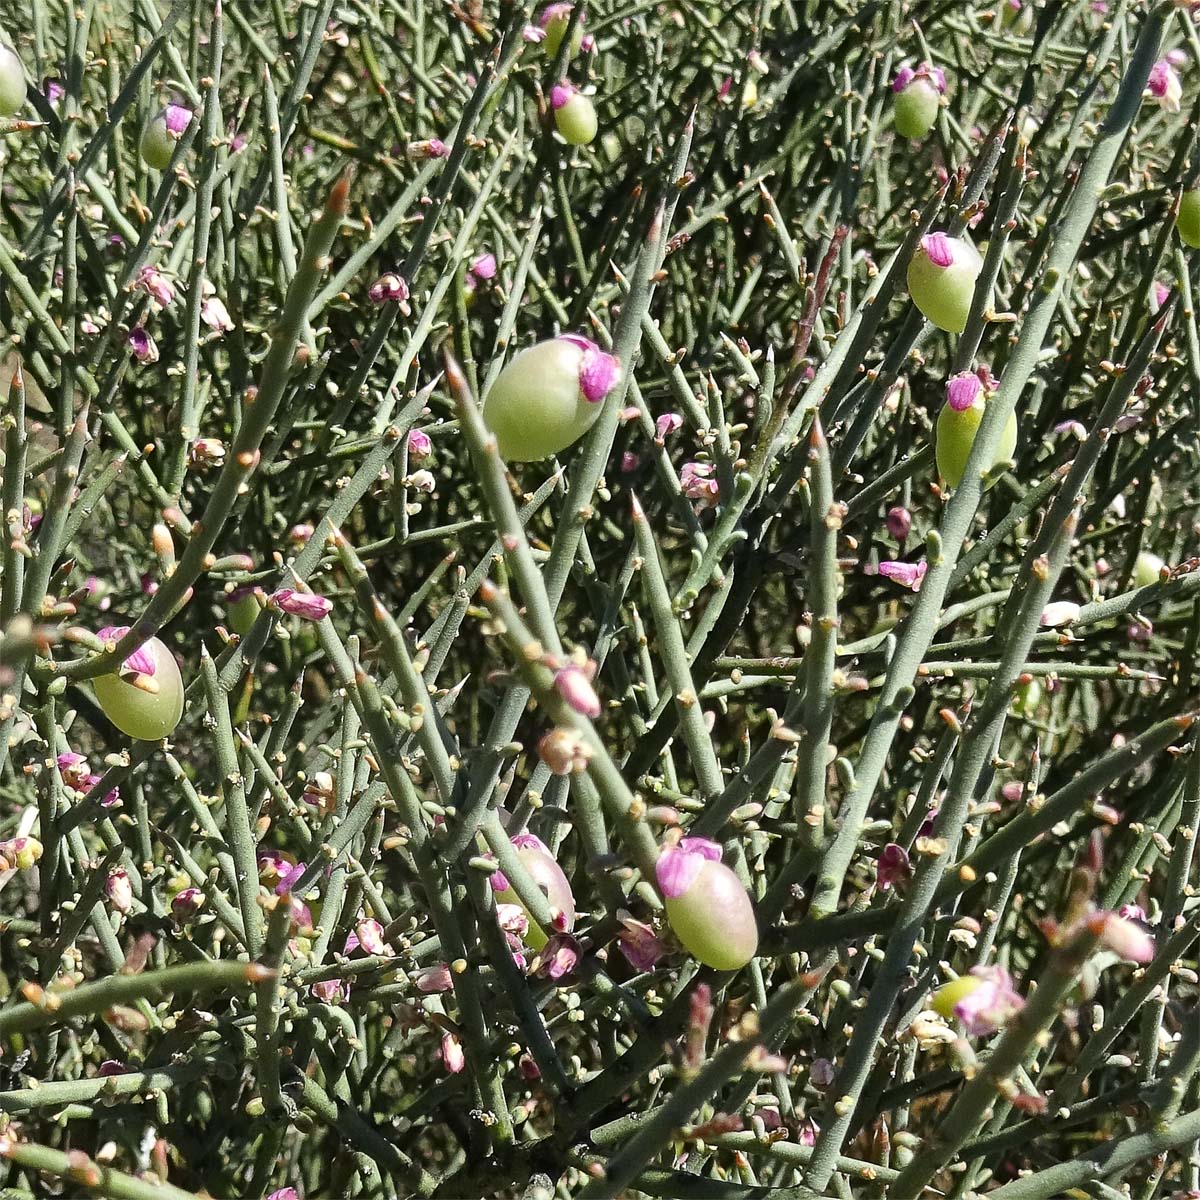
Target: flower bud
13 87
708 909
187 903
307 605
957 424
564 751
941 279
918 95
1146 569
537 860
1163 84
119 890
144 699
548 397
420 446
19 853
161 134
574 114
899 522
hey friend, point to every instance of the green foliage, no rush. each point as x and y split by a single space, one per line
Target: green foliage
258 411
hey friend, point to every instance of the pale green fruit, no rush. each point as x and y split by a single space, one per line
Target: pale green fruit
956 435
549 876
243 607
576 120
1146 569
714 919
161 134
13 88
536 407
1188 221
916 109
556 28
144 715
1027 697
943 294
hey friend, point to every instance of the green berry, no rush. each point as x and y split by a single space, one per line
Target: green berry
549 876
916 109
957 425
161 134
151 711
714 919
1146 569
1188 221
941 280
574 116
13 87
555 20
548 397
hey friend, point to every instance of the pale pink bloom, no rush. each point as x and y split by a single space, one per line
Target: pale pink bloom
638 943
695 479
1158 295
74 770
451 1053
370 937
1012 791
483 267
678 865
573 685
908 575
667 424
213 312
532 33
156 285
1059 613
290 875
141 661
1127 939
389 287
558 957
808 1132
177 119
512 918
308 605
1132 912
284 1193
429 148
434 979
330 991
989 1006
1164 86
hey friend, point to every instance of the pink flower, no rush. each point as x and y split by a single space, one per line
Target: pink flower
988 1006
821 1074
177 119
629 462
532 33
899 522
142 345
678 866
289 875
558 957
598 370
1131 912
938 248
483 268
388 288
141 661
111 1066
308 605
284 1193
430 148
213 312
1059 613
74 770
1127 939
370 937
808 1132
1164 86
451 1054
695 479
638 942
512 918
155 285
434 979
420 446
561 94
573 685
667 424
1159 294
330 991
893 868
906 75
962 390
908 575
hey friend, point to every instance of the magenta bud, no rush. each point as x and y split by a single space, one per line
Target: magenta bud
574 686
420 446
307 605
119 890
899 522
187 903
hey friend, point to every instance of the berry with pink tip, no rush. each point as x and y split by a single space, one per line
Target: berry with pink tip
537 860
554 21
574 115
144 699
918 95
13 86
941 279
548 397
161 133
959 421
708 908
